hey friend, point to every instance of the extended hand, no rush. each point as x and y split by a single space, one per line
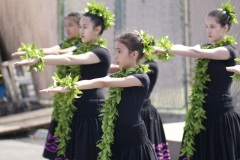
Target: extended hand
30 62
54 89
20 53
235 69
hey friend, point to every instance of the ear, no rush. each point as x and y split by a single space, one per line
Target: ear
226 28
97 30
134 54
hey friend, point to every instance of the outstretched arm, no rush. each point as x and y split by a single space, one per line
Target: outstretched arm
235 69
55 50
65 59
219 53
99 83
113 68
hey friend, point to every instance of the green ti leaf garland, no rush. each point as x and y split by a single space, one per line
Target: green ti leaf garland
196 114
110 113
60 103
236 75
66 111
32 53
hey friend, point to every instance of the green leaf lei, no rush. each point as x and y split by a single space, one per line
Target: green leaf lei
66 111
110 112
230 10
166 44
237 76
196 114
60 104
32 53
100 11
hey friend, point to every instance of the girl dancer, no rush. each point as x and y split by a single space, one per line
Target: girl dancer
78 130
212 127
122 122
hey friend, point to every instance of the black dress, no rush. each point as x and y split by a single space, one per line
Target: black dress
221 139
86 123
131 141
153 120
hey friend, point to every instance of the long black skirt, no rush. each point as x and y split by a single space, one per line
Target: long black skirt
132 143
155 130
86 131
221 139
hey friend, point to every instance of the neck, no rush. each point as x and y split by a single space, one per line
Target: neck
131 66
218 41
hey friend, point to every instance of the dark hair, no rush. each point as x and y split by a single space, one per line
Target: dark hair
97 21
133 42
76 16
222 17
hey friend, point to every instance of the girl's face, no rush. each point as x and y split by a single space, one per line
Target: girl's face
71 28
215 31
88 33
122 56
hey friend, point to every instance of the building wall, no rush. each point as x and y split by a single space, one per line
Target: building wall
28 21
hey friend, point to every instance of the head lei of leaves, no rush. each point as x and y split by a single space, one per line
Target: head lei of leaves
150 44
229 9
99 10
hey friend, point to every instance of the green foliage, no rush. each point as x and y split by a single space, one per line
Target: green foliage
229 8
71 42
63 102
148 44
110 113
236 75
99 10
32 53
196 114
165 44
66 109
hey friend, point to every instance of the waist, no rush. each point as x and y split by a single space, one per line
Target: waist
130 135
89 107
219 104
147 103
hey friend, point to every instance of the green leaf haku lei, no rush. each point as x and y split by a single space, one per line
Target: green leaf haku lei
236 75
149 44
100 11
32 53
227 7
110 113
60 103
196 114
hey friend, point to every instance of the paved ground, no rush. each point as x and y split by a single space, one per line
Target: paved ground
29 145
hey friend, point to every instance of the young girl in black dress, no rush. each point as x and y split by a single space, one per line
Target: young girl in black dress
149 113
77 132
212 127
129 87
